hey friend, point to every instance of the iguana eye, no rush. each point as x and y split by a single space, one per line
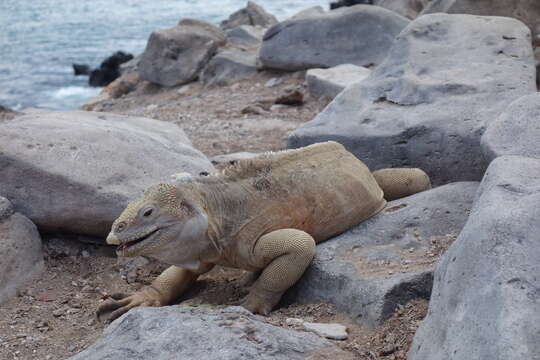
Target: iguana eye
148 212
120 227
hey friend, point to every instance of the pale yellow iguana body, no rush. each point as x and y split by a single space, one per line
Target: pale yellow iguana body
265 214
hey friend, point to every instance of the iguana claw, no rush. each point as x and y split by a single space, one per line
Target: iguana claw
260 301
113 309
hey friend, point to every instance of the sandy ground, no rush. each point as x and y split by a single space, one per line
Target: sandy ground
54 317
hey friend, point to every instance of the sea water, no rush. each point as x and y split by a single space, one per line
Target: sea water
41 39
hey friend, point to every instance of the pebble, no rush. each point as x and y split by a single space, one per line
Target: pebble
329 331
294 321
273 82
58 312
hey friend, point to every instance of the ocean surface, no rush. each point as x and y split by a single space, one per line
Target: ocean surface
40 39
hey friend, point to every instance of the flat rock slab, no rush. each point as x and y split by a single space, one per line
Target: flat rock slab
229 66
178 332
446 78
330 82
176 55
342 36
388 259
74 171
21 255
486 300
516 131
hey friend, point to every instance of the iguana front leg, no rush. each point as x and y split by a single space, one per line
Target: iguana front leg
168 286
285 254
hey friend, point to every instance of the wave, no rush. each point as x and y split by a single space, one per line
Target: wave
75 91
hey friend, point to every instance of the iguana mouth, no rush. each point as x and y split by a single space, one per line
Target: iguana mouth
129 244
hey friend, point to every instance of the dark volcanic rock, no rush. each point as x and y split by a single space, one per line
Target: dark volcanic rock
486 299
81 69
109 69
428 105
388 259
341 3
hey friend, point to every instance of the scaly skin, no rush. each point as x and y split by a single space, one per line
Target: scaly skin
264 214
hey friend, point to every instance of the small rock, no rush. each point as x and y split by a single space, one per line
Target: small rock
277 107
329 331
388 350
58 312
292 97
294 321
253 109
274 82
87 288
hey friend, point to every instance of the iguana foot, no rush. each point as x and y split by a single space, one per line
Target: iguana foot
260 301
112 309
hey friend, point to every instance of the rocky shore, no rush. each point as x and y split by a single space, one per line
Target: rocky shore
449 86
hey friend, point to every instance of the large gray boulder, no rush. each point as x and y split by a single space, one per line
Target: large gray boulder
330 82
21 256
74 171
179 332
245 36
527 11
228 66
342 36
486 300
446 78
176 55
516 131
253 14
388 259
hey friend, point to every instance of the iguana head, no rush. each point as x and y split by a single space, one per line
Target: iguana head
162 224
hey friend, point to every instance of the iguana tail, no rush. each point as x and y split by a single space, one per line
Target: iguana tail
398 183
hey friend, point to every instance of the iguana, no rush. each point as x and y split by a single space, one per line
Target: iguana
263 214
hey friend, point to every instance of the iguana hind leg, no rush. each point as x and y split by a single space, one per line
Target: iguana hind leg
285 254
401 182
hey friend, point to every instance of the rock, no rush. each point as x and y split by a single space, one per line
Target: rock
274 82
130 66
232 158
254 109
228 66
252 14
245 36
343 36
21 256
81 69
408 8
427 105
330 82
125 84
75 171
516 131
312 11
527 11
176 55
291 97
226 334
329 331
109 69
342 3
7 113
485 302
351 270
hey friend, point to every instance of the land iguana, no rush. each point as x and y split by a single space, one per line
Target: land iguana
263 214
